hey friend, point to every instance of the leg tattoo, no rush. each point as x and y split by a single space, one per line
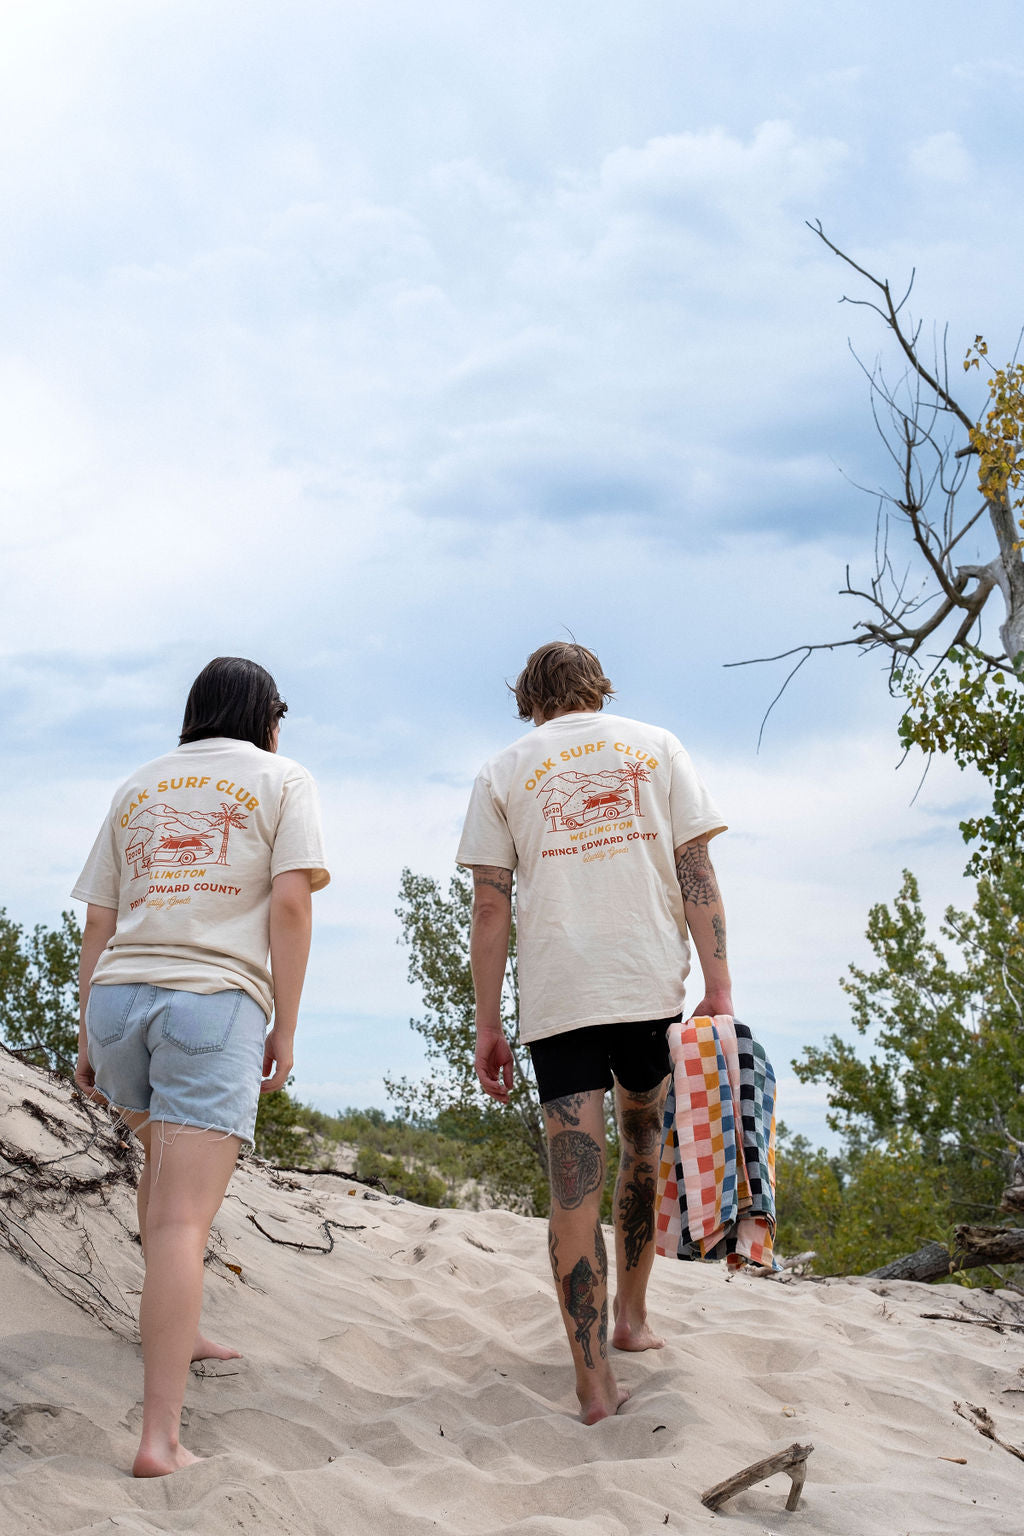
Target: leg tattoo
567 1108
576 1167
642 1130
578 1291
636 1213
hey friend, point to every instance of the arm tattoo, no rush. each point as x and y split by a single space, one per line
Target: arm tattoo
553 1253
500 879
577 1167
642 1129
696 876
636 1213
565 1108
578 1293
719 927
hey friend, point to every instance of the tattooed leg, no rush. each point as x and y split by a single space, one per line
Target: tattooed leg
576 1247
640 1128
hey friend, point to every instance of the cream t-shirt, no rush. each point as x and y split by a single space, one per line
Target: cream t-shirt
588 810
187 855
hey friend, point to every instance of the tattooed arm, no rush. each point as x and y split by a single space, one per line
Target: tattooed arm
488 954
705 918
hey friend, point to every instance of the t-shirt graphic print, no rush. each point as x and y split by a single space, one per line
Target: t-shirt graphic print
588 810
187 856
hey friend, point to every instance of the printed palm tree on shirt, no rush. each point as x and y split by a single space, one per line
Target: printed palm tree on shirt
227 817
639 775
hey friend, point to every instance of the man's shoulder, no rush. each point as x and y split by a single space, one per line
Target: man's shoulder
506 755
625 723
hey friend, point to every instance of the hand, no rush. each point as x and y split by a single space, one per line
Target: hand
494 1065
85 1077
278 1059
713 1003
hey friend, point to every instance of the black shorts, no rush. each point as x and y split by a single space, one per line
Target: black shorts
584 1060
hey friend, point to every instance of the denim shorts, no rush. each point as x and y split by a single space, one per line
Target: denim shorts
191 1058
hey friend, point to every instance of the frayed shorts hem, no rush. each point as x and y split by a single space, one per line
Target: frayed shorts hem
246 1138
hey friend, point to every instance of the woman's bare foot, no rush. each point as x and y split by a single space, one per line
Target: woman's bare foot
206 1349
161 1462
634 1335
598 1405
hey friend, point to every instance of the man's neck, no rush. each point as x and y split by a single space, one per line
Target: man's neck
559 713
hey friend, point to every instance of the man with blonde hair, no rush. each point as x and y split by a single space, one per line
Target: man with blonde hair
605 824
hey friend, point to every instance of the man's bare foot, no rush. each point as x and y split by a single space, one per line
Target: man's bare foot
206 1349
600 1405
160 1463
627 1336
634 1336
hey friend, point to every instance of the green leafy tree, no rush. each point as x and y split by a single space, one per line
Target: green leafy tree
945 1062
976 716
507 1143
281 1134
39 990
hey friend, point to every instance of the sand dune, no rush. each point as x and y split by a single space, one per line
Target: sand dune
414 1378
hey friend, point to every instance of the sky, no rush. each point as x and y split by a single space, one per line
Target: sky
383 342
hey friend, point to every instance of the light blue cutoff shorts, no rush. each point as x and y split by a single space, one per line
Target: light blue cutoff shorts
191 1058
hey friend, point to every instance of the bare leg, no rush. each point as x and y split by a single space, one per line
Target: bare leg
202 1348
190 1169
639 1116
579 1263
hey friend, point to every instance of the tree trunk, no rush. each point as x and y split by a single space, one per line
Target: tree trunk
974 1246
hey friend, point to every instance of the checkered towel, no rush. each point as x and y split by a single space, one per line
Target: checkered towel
716 1184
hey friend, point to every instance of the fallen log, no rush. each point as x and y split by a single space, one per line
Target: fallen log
792 1460
972 1247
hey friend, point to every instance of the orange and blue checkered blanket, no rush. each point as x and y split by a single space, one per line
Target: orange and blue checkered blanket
716 1184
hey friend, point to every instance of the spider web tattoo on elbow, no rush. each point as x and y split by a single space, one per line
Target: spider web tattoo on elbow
696 876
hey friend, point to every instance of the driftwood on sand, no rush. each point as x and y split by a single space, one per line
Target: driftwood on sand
973 1247
792 1460
985 1425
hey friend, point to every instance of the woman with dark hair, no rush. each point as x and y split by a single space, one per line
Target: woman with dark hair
205 864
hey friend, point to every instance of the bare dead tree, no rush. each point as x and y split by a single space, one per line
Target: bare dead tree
932 600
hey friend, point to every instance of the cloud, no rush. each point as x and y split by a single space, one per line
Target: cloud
941 158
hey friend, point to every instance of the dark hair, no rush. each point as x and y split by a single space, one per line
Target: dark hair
232 697
560 676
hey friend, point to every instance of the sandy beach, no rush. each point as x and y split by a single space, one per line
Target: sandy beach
404 1371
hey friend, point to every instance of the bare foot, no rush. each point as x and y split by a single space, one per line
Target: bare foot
159 1463
634 1335
598 1405
206 1349
628 1336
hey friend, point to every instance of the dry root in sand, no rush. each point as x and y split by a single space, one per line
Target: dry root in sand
985 1425
63 1166
792 1460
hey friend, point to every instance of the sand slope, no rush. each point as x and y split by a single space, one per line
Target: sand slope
415 1379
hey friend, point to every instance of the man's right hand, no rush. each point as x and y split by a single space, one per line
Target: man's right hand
494 1065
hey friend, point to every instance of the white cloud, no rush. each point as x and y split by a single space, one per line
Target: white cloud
942 158
382 345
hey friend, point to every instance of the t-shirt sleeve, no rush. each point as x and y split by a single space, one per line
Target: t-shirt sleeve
486 838
694 813
100 880
299 840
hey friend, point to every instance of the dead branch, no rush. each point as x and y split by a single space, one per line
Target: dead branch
985 1425
936 605
325 1227
792 1460
981 1322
